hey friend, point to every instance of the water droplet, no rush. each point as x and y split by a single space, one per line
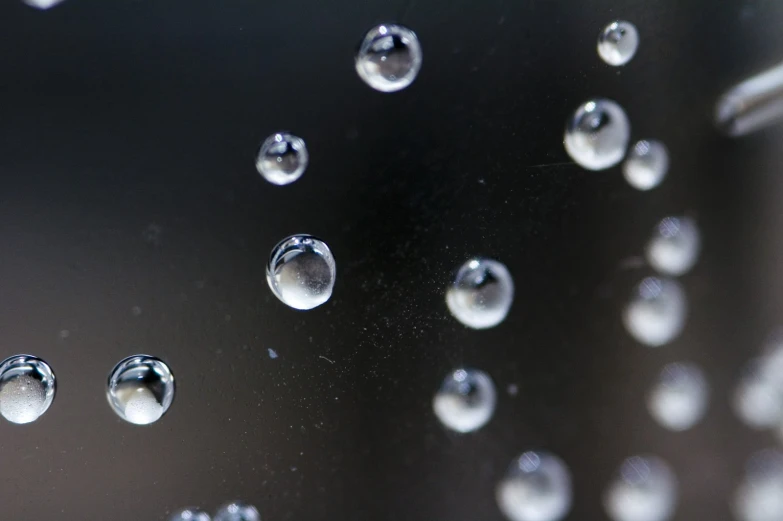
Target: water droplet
656 312
42 4
644 489
536 487
389 57
675 245
646 165
140 389
758 397
27 388
759 497
597 134
272 353
282 158
466 400
237 511
679 397
618 42
190 514
481 294
301 271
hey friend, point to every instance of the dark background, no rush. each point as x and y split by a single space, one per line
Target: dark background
128 130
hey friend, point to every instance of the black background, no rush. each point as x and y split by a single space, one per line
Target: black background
128 130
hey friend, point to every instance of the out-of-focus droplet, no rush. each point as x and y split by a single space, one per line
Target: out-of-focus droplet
140 389
679 397
646 165
644 489
42 4
466 400
597 134
301 272
481 294
237 511
759 496
282 158
27 388
190 514
618 42
536 487
674 246
657 311
389 57
758 396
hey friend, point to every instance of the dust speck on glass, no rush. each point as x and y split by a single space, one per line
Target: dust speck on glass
301 272
27 388
466 400
140 389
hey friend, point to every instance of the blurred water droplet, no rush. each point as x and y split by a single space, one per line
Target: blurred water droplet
618 42
301 272
657 311
272 353
389 58
758 396
136 311
140 389
644 489
466 400
536 487
646 165
42 4
237 511
27 388
481 294
282 158
679 397
674 246
759 496
597 134
190 514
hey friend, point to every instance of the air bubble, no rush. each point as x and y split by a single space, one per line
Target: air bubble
618 42
140 389
759 497
466 400
644 489
537 487
27 388
481 294
237 511
674 247
301 272
679 397
646 165
758 396
282 158
597 134
190 514
657 311
389 58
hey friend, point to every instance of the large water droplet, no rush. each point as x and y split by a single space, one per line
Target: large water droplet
618 42
646 165
282 158
759 497
389 57
140 389
301 271
466 400
656 313
675 245
537 487
597 134
481 294
644 489
237 511
679 397
190 514
27 388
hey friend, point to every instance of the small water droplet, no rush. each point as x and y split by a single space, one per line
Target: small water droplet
644 489
597 134
679 397
618 42
657 311
190 514
466 400
481 294
674 246
759 496
646 165
282 158
758 396
140 389
27 388
301 272
237 511
536 487
389 57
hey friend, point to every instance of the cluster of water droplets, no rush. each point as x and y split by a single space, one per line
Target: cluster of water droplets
233 511
27 388
140 389
758 395
190 514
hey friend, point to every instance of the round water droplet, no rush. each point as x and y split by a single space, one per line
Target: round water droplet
675 245
597 134
537 487
190 514
618 42
301 271
679 397
481 294
656 312
644 489
140 389
237 511
758 397
646 165
389 58
282 158
42 4
27 388
466 400
759 496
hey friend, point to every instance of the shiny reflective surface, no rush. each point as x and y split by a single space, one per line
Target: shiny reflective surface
597 134
282 158
618 42
536 487
679 397
466 400
140 389
674 246
301 272
481 294
27 388
644 489
656 312
389 57
646 165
